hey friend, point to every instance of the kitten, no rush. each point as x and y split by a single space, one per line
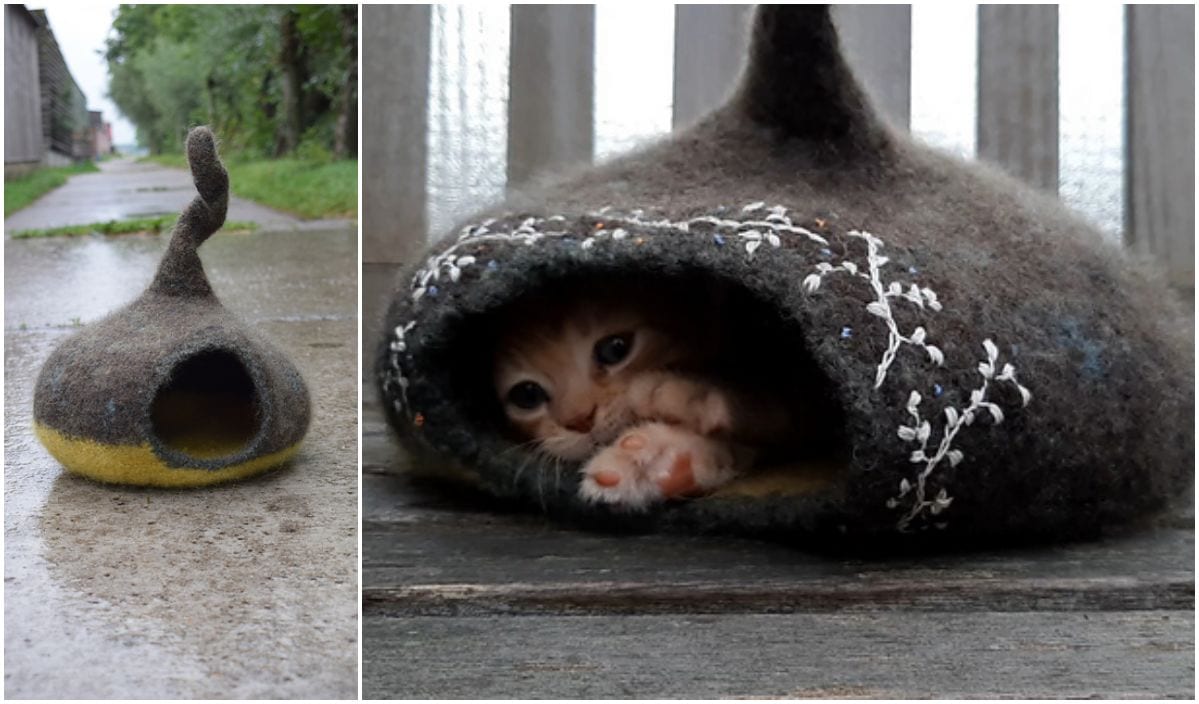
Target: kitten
622 379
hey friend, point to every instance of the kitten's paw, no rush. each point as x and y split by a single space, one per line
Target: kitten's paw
677 400
655 462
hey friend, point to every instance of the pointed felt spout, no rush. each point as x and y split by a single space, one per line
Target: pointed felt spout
797 79
181 273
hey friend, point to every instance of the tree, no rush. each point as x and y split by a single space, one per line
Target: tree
271 79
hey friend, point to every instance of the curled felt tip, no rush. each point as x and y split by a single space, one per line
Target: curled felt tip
181 273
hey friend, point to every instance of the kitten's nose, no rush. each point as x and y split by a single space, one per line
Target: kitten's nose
581 423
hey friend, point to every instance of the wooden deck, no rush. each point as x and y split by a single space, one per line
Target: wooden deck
461 600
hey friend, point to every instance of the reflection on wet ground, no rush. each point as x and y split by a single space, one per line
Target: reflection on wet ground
245 590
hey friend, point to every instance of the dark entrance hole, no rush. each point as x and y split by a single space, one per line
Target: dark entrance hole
209 407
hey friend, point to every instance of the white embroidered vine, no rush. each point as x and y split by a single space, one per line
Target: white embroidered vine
881 305
921 430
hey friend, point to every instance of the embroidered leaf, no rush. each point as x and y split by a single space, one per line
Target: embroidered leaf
986 370
588 243
417 294
812 283
951 414
906 433
904 487
976 397
968 417
757 205
466 260
619 233
1024 394
992 350
892 503
895 288
918 335
918 456
1008 372
879 262
876 308
996 413
935 354
824 267
850 267
751 234
773 239
925 430
955 456
914 400
455 273
752 245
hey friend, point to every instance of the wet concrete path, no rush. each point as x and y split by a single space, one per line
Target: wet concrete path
125 189
247 590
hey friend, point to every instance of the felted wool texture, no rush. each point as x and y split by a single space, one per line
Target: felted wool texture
95 398
1004 374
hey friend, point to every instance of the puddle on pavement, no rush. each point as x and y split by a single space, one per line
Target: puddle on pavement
230 574
247 589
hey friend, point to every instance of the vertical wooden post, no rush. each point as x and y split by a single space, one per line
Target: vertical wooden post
551 88
395 99
1159 175
877 41
1017 90
709 51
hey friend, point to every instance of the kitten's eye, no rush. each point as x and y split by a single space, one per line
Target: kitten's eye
527 395
613 349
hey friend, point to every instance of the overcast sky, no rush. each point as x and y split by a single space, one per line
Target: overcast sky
81 29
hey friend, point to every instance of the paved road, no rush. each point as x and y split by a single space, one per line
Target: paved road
126 189
247 590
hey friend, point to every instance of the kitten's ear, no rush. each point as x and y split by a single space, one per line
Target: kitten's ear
797 79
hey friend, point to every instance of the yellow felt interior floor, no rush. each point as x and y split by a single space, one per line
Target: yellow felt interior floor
204 424
138 465
790 479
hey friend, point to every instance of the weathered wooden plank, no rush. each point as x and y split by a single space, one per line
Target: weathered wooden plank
431 557
395 73
551 88
877 40
1017 91
1160 142
949 592
862 655
709 51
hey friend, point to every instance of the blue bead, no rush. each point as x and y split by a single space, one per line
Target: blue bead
846 333
826 252
937 390
431 292
718 239
913 270
492 266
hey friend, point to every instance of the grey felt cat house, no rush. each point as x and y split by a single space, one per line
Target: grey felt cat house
999 372
173 390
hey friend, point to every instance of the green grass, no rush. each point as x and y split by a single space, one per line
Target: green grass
310 189
23 190
124 227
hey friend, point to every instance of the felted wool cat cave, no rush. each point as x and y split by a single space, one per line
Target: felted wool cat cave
1001 371
173 390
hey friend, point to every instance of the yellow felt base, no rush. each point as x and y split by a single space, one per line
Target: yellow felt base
139 466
